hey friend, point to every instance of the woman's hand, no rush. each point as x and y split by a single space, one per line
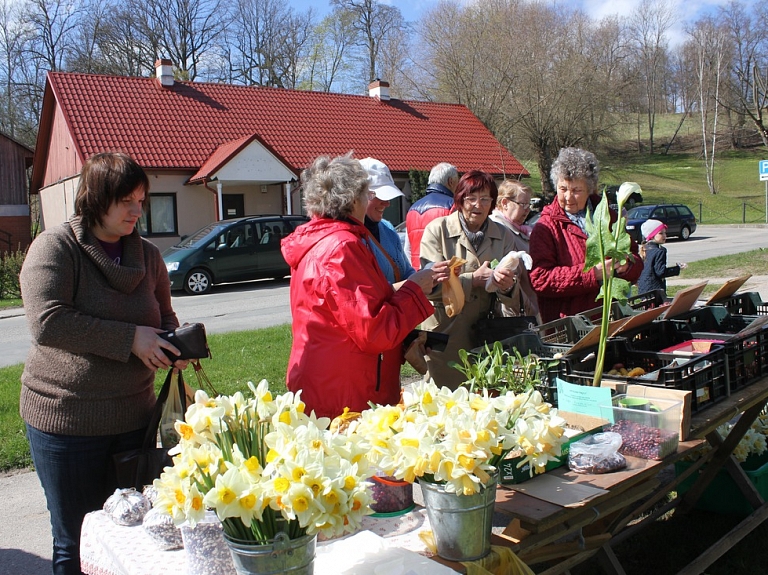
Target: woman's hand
480 275
148 347
504 279
441 272
424 279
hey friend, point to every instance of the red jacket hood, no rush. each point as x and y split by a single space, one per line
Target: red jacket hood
296 245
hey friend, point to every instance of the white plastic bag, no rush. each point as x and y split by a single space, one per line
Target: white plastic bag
598 453
509 262
173 410
126 506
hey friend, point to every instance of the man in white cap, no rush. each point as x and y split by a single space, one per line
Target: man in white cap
655 270
385 242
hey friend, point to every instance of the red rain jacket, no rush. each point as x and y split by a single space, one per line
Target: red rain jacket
348 322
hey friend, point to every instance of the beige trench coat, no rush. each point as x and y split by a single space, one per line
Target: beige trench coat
443 238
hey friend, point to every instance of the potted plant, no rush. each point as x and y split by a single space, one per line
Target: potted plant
275 477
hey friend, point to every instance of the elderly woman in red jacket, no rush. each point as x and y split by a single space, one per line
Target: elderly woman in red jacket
559 241
348 321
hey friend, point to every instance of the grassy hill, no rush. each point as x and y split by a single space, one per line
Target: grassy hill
680 176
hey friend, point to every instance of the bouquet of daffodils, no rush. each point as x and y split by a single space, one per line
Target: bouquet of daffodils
264 466
457 438
754 440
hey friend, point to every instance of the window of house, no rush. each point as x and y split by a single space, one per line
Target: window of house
160 218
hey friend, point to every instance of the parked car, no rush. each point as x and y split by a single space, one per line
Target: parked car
611 191
230 251
679 219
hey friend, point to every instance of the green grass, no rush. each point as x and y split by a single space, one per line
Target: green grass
238 357
754 263
9 303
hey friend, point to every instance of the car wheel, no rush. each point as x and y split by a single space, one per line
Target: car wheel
685 233
198 282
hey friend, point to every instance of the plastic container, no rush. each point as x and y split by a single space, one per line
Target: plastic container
722 495
692 347
205 550
648 426
392 496
566 330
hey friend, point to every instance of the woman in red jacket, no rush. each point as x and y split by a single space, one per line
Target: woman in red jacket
559 241
348 321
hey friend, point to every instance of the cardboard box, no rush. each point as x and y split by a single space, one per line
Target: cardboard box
692 347
578 425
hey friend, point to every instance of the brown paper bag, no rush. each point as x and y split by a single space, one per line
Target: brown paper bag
453 294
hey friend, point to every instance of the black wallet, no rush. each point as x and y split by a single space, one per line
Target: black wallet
191 341
435 340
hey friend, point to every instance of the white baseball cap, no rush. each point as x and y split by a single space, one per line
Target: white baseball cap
380 180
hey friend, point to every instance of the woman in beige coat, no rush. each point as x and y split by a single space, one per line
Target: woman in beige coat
469 234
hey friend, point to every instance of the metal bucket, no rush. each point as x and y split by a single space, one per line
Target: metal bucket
461 524
282 555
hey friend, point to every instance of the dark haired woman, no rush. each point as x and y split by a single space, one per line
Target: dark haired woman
471 235
95 294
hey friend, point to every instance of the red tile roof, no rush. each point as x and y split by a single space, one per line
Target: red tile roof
192 124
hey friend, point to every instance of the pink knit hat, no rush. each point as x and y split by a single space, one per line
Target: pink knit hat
650 228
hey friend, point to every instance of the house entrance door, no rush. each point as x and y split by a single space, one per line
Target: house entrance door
233 205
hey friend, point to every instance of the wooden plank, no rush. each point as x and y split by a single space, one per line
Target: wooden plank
558 550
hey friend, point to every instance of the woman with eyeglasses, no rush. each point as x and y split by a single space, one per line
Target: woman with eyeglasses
512 209
559 240
469 234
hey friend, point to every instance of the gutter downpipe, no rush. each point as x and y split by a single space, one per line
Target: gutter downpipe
289 202
217 191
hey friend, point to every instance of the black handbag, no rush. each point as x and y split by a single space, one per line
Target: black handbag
191 341
139 467
493 327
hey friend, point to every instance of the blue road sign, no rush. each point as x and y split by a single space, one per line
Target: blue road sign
763 170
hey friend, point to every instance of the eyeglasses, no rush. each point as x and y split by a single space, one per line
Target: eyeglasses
524 205
484 200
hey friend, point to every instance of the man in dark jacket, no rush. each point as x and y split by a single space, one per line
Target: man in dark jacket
438 202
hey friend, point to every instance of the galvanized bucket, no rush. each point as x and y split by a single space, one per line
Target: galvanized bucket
282 555
461 524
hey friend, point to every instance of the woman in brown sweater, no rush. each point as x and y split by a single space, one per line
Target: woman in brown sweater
96 294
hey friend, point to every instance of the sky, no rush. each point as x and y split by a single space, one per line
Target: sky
687 10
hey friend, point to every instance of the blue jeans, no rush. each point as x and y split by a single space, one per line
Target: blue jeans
77 477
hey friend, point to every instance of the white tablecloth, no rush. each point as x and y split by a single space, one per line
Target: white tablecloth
110 549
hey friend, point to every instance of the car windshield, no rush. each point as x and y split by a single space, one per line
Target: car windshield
639 213
197 238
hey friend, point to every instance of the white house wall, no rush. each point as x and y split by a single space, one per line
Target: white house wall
254 163
57 202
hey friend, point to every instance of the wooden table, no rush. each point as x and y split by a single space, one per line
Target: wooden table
542 533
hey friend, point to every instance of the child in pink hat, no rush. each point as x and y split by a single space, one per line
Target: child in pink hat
655 270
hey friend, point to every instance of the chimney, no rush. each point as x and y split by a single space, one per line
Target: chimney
379 89
164 72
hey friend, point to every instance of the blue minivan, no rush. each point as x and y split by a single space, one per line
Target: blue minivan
234 250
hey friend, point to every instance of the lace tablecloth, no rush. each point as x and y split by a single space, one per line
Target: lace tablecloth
110 549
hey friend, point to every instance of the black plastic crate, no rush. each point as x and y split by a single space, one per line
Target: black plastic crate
748 303
566 330
747 356
656 335
634 305
713 319
530 343
703 374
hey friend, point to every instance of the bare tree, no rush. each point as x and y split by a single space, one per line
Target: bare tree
53 23
14 36
648 27
328 60
182 30
374 22
708 43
